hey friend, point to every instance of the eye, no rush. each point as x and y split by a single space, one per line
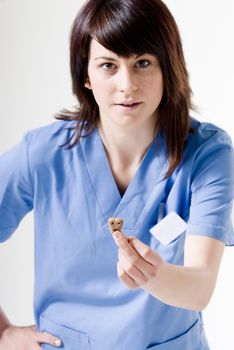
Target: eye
107 66
143 63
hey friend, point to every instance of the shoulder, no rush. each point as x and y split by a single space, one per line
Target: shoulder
209 154
206 148
50 133
204 131
45 143
207 137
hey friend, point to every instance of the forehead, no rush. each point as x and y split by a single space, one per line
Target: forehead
96 50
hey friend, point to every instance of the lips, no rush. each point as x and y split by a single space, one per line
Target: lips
129 107
129 104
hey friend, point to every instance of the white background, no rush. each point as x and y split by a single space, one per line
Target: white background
35 83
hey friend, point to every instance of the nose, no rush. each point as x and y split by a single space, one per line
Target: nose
127 81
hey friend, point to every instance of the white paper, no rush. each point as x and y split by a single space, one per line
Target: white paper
170 227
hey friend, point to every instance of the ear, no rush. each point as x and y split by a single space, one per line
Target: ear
87 83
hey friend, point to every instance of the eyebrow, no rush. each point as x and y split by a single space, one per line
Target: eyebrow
111 58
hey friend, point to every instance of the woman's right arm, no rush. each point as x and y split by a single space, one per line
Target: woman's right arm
28 338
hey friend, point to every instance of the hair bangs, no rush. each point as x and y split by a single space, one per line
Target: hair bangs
118 27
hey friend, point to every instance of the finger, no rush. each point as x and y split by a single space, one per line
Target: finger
146 252
136 251
147 269
138 259
126 246
126 279
43 337
132 270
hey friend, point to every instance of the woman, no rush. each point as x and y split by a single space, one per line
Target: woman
131 151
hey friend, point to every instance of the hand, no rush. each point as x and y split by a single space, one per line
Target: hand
138 263
25 338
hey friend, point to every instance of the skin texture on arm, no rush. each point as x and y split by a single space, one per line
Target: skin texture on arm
189 286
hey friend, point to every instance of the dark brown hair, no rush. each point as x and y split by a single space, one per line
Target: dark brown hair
129 27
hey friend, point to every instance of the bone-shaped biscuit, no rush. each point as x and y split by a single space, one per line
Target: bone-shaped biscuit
115 224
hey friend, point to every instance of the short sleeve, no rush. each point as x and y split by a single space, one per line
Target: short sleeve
16 192
212 190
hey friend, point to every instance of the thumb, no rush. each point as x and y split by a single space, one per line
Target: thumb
44 337
146 252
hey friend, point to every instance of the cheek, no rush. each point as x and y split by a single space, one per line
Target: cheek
103 91
95 82
153 81
157 86
98 89
153 87
160 87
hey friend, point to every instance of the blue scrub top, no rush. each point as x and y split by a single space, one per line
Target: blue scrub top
78 295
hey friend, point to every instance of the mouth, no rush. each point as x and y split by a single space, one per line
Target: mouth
129 105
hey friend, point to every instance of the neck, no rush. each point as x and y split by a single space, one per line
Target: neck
126 146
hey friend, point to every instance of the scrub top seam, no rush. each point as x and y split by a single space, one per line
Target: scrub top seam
28 167
90 182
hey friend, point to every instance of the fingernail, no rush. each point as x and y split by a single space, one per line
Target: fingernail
57 342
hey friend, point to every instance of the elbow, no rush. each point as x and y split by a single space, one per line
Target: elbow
204 304
204 301
201 307
205 293
202 298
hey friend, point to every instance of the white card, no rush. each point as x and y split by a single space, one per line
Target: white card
170 227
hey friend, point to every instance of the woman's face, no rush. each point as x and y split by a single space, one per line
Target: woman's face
127 90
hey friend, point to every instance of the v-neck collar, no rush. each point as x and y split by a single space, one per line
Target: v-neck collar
150 172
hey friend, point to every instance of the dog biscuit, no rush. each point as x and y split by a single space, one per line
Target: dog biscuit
115 224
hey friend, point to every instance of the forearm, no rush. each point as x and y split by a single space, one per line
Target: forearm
189 287
4 322
180 286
